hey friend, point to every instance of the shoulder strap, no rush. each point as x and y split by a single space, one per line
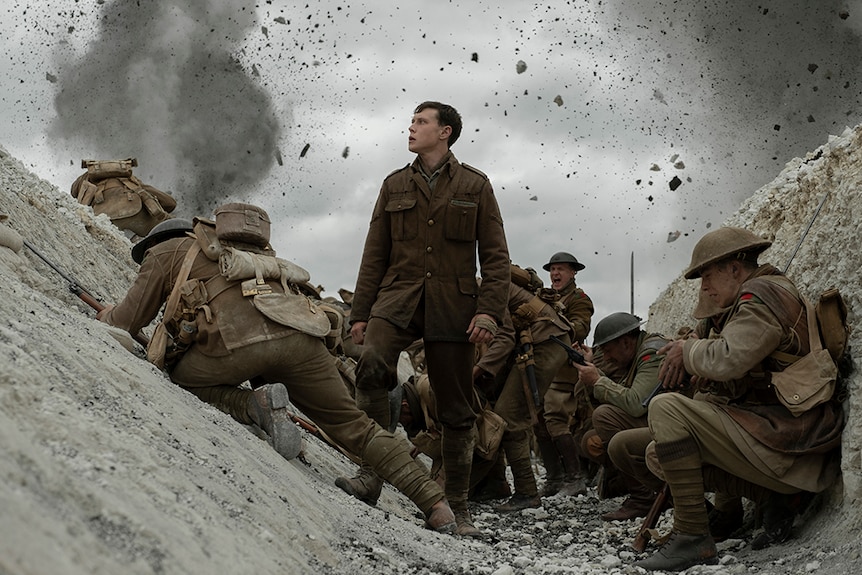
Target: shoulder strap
813 336
174 298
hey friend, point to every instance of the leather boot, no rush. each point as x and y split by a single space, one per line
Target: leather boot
267 407
637 504
517 449
573 481
390 458
726 517
494 485
779 511
632 508
518 502
681 551
457 449
365 485
553 467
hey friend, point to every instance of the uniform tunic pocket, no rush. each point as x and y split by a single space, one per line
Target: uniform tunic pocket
461 220
404 223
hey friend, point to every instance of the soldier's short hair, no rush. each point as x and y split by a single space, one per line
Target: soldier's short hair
446 116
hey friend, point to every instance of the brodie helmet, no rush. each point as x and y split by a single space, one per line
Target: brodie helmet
170 228
615 325
564 258
724 243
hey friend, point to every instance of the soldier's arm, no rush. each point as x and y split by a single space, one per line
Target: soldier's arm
143 300
375 261
747 339
630 399
493 257
579 311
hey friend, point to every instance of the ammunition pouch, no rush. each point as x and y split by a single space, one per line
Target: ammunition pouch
527 313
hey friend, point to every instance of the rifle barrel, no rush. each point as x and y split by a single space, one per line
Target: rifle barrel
76 289
52 265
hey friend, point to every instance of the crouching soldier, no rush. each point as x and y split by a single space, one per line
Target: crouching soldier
743 439
235 309
621 402
418 417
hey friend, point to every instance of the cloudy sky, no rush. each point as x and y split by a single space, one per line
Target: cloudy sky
608 128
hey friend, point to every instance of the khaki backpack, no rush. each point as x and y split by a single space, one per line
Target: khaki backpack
109 187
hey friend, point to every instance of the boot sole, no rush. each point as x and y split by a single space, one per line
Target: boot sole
286 436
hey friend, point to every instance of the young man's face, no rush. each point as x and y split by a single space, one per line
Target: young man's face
561 275
426 133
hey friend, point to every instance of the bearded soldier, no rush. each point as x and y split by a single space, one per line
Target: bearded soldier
741 440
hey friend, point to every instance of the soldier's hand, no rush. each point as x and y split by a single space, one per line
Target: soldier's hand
587 374
357 332
584 350
672 372
482 328
100 315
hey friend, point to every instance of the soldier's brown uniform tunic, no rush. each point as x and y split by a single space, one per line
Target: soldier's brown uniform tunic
561 397
418 275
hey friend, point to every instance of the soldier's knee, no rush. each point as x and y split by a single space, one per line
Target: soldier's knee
372 372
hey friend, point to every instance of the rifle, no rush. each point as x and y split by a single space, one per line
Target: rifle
527 365
79 291
574 355
651 519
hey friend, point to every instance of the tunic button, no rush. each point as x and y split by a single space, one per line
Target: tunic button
428 275
430 222
429 249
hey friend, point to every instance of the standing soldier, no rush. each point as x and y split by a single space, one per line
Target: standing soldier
557 445
741 440
417 280
526 335
621 402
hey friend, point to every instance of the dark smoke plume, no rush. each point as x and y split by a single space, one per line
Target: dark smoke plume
161 81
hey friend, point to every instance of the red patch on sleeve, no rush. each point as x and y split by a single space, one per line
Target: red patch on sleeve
746 296
646 357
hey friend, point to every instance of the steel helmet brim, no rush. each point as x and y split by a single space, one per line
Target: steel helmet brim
174 227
